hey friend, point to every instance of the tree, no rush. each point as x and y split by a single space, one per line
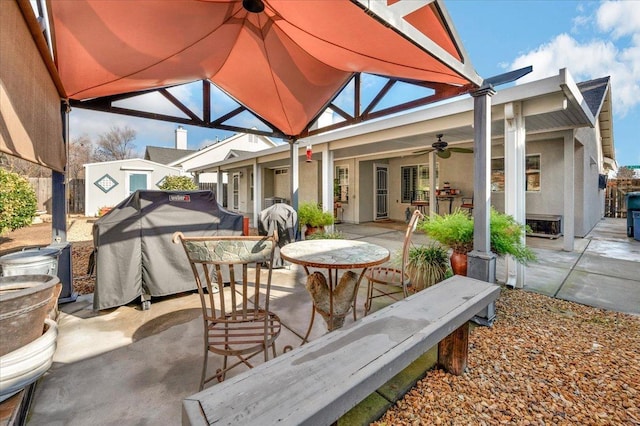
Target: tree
178 183
116 144
625 173
18 201
80 153
24 167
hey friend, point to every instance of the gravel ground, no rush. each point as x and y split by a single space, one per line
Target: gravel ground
544 362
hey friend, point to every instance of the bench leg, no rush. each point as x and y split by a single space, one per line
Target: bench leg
453 350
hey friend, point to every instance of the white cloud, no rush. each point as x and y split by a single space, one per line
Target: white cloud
620 18
613 50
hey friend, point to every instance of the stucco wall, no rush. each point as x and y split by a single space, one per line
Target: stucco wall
95 198
366 191
593 197
309 183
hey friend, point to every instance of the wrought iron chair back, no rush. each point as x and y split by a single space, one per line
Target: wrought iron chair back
234 298
389 281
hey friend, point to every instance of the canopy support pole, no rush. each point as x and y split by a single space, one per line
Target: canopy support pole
481 261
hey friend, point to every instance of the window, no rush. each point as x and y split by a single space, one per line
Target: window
136 181
532 173
415 182
342 184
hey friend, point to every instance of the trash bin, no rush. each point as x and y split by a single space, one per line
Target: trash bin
632 202
33 261
636 225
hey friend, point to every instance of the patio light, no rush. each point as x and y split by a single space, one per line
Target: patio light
309 153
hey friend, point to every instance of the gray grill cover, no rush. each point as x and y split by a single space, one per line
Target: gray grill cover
283 219
134 251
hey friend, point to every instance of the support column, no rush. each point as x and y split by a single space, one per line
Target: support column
59 208
481 262
219 187
327 180
295 167
432 183
514 180
569 192
59 189
257 192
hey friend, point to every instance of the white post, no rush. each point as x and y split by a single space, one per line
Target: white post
257 192
219 187
569 192
514 180
327 180
295 167
432 183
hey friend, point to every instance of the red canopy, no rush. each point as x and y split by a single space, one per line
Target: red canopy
284 64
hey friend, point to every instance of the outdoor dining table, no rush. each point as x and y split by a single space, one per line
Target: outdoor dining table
334 255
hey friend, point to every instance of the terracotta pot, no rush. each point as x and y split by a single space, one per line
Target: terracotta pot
312 230
459 263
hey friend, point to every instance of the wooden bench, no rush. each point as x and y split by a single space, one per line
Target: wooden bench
320 381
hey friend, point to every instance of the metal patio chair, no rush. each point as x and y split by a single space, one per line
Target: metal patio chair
237 320
390 281
467 203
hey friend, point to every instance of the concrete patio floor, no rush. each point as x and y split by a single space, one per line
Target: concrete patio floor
128 366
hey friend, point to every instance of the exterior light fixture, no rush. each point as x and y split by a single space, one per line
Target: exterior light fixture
253 6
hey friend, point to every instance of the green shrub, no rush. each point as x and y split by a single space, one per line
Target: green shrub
178 183
310 214
18 202
455 230
325 236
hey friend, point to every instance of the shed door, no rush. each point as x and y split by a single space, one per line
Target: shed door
137 181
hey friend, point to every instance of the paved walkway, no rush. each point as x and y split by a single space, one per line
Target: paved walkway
127 366
602 271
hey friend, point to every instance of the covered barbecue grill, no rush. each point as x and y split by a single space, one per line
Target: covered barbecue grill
134 252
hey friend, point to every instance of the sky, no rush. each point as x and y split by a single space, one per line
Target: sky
592 39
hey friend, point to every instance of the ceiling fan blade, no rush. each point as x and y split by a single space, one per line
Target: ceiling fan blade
464 150
444 154
423 151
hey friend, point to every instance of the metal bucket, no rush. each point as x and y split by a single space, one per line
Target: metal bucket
37 261
25 302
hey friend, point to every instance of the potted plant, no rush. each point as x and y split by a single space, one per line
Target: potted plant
312 216
426 266
455 231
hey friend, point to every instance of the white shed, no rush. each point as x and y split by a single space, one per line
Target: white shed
109 182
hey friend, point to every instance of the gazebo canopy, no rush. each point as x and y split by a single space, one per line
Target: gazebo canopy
285 62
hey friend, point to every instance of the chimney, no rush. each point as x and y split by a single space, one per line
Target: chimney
181 138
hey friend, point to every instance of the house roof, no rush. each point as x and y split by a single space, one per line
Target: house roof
220 145
550 104
123 163
164 155
597 94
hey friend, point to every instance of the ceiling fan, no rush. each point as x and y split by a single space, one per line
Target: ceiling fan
441 149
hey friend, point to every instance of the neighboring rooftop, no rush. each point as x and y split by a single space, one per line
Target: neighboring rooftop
163 155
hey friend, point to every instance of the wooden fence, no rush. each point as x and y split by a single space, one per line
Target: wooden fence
614 200
42 187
